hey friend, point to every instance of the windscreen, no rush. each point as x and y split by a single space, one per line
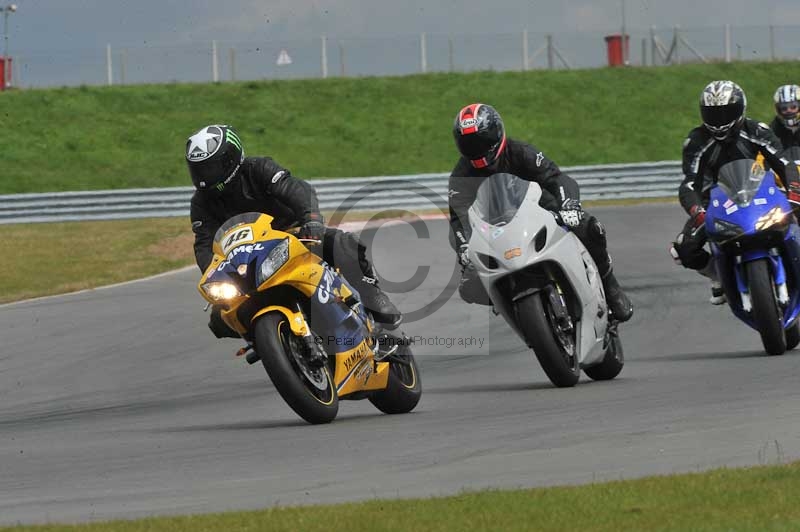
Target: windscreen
499 198
740 180
239 219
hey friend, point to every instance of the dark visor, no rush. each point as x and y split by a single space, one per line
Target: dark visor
210 172
473 146
721 115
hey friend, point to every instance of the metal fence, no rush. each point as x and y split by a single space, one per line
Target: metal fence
413 192
324 56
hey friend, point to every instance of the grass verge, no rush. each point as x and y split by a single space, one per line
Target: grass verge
133 136
54 258
749 499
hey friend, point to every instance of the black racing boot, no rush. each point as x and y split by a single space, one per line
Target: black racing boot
378 304
618 303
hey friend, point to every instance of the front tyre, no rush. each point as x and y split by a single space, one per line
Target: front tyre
556 355
766 312
403 390
613 360
308 390
793 335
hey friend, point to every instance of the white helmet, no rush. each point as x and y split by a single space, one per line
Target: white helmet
787 106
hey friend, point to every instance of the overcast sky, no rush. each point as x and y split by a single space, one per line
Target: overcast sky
77 31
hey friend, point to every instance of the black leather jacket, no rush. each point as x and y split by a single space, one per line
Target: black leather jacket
703 155
789 139
518 158
262 185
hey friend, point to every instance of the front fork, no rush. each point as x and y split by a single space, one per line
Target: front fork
778 270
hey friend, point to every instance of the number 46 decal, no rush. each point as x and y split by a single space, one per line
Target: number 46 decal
241 236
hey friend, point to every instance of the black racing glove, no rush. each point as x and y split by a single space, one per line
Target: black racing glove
571 213
463 255
313 227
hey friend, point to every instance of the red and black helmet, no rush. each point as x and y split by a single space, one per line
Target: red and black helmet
480 135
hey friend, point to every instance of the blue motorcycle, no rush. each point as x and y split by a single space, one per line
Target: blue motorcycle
754 240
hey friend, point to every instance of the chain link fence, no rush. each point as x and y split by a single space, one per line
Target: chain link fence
331 56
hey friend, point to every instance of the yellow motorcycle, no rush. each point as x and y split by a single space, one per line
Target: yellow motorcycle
305 323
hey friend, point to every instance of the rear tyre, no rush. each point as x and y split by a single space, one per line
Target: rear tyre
308 390
766 312
793 335
537 323
613 360
403 390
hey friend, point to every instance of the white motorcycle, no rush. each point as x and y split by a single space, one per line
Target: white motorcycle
543 281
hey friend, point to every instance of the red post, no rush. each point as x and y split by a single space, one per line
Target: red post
5 68
614 49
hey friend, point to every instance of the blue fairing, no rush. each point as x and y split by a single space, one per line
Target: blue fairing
244 254
339 328
785 265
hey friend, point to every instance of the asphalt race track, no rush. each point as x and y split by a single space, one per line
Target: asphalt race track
119 403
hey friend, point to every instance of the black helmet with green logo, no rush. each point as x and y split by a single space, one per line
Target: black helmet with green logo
214 155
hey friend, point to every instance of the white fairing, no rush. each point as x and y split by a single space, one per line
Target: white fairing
562 248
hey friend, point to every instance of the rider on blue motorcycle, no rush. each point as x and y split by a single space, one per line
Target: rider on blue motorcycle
725 135
485 150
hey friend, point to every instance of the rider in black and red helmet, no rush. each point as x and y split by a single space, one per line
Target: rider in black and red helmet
480 134
485 150
228 183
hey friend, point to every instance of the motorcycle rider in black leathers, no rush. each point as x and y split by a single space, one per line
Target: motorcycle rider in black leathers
725 135
786 124
227 183
485 150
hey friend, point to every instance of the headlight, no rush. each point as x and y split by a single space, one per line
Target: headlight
221 291
774 217
724 230
276 258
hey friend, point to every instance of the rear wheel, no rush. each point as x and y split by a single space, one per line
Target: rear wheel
553 345
308 389
403 391
613 360
766 312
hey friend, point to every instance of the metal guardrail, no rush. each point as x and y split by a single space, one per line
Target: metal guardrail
424 191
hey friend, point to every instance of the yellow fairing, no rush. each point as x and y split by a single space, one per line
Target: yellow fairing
296 320
356 371
304 271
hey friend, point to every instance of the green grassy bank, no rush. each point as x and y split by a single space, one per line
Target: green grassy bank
753 499
125 137
70 256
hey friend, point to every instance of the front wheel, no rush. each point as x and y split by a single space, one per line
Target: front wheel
766 312
403 391
553 347
306 388
613 360
793 335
